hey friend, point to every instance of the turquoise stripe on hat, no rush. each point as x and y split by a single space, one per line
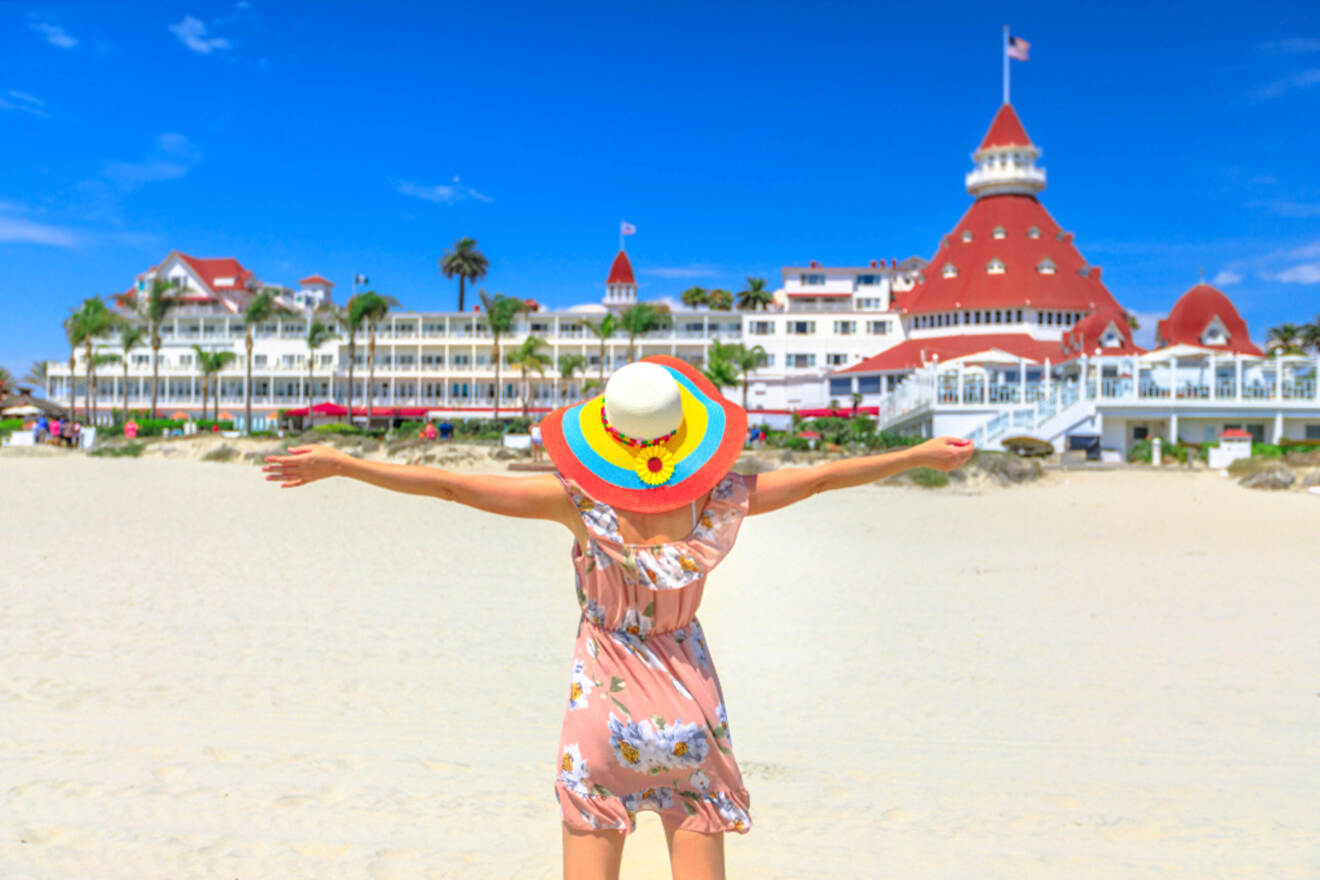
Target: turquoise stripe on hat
628 479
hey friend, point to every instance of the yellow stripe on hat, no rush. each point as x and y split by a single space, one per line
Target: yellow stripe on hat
682 444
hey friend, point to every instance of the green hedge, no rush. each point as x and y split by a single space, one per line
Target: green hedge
1179 452
1267 450
929 477
9 426
132 449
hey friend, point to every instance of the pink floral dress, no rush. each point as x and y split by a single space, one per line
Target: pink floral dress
645 727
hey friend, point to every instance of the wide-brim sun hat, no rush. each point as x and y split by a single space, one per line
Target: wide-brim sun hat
658 437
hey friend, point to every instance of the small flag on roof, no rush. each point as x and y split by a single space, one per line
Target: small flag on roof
626 228
360 279
1018 49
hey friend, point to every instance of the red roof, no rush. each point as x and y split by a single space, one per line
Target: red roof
1193 313
912 353
1005 130
316 279
1234 434
621 271
1021 284
212 269
1083 338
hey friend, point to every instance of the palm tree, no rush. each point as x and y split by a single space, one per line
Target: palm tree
130 337
695 296
317 335
1311 335
530 356
36 375
162 298
464 262
642 318
500 310
91 320
6 381
569 364
747 360
370 308
99 360
345 317
755 296
603 329
719 368
260 308
1284 339
1132 321
720 299
589 386
209 364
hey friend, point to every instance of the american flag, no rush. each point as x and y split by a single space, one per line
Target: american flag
1018 48
626 228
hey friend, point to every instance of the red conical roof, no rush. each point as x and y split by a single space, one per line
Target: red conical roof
621 271
1192 314
1030 239
1006 131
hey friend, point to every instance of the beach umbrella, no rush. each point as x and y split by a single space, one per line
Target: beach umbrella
25 409
326 408
179 416
224 415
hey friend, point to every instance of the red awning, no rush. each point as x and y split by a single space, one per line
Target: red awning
808 435
326 408
841 412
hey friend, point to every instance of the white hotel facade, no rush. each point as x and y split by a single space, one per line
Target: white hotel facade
1007 331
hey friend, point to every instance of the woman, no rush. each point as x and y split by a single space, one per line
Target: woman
645 485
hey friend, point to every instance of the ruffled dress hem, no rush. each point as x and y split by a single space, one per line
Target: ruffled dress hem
710 813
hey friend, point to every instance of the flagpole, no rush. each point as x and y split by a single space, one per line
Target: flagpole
1006 64
620 233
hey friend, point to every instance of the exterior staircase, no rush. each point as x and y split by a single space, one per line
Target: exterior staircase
1050 419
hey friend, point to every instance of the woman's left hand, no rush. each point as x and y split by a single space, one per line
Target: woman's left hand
944 453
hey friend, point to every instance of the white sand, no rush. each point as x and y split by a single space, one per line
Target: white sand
1109 677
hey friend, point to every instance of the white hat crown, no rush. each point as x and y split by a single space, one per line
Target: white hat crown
642 401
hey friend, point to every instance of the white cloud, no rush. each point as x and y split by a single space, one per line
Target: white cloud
53 33
172 158
1144 335
444 193
13 229
696 270
1226 278
23 103
1302 273
1302 80
192 33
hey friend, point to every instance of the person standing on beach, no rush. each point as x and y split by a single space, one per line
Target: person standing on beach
645 485
538 446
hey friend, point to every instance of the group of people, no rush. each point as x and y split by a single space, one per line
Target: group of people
57 431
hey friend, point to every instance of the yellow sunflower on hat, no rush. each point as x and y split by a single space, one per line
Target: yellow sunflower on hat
654 464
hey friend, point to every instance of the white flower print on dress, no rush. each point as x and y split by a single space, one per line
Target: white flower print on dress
657 798
724 724
573 770
700 781
666 567
632 633
731 812
594 613
633 743
682 745
698 639
579 687
723 489
600 517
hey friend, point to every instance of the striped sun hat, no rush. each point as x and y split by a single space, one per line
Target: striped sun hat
661 435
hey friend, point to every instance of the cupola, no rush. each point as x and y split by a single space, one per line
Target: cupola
1006 160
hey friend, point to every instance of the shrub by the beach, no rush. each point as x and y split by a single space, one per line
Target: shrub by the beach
132 449
1302 457
9 426
1311 478
1266 450
223 452
1141 451
1005 467
929 477
337 428
1274 476
1244 466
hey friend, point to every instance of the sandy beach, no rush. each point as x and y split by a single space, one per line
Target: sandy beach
1103 675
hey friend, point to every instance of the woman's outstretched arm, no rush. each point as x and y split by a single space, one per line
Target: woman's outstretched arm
539 497
776 489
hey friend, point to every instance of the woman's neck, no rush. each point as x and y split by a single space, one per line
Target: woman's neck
661 527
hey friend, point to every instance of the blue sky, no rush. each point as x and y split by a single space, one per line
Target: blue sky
739 138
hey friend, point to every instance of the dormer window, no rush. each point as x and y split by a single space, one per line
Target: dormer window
1215 334
1033 232
995 267
967 235
949 270
1111 340
1046 266
998 232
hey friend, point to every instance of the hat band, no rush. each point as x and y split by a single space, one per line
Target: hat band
631 441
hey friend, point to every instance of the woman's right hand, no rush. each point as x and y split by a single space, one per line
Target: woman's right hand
304 464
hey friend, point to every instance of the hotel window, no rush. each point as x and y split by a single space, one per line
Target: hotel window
1045 266
763 328
811 280
877 328
258 360
433 360
867 280
836 360
462 360
998 232
840 387
325 360
868 384
800 328
995 267
949 270
433 329
967 235
768 361
185 360
1033 232
845 328
868 304
1019 316
800 360
140 360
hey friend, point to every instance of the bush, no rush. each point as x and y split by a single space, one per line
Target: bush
1295 445
929 477
1141 451
132 449
223 452
338 428
1266 450
9 426
799 444
1246 466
